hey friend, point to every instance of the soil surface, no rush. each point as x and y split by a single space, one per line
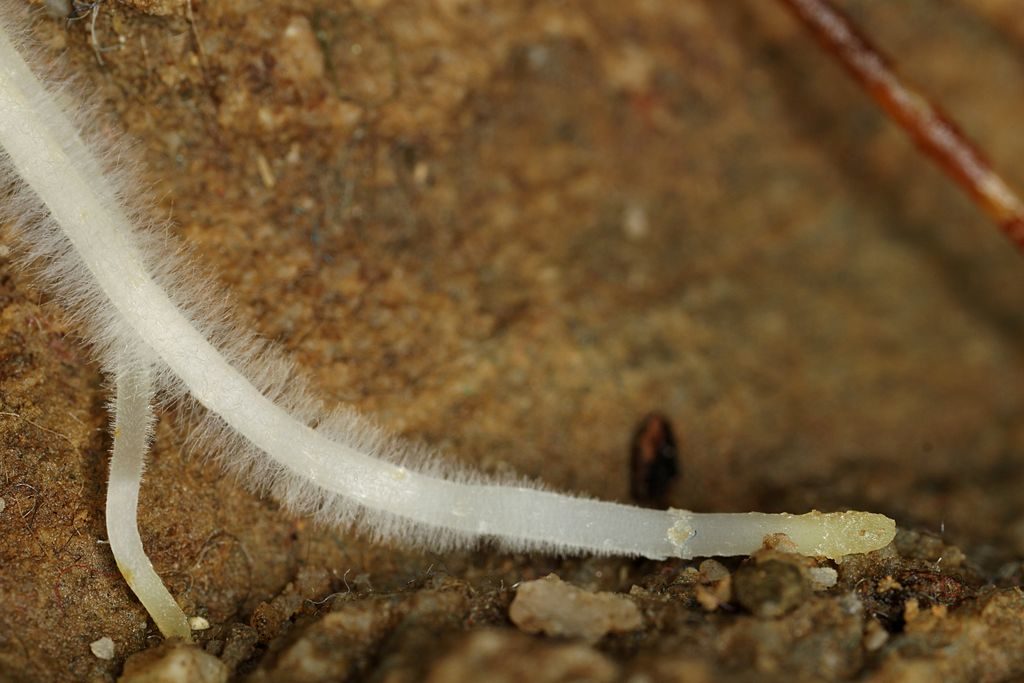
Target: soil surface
510 230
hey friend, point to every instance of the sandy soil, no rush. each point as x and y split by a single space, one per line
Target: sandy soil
509 230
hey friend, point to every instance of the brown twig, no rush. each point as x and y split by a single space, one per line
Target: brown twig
930 128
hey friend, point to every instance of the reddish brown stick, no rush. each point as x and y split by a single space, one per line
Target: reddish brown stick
929 127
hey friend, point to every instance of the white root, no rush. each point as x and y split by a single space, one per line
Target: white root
109 266
133 426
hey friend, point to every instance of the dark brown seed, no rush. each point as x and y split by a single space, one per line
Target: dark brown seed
654 461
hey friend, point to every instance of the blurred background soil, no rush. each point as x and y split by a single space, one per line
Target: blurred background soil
509 230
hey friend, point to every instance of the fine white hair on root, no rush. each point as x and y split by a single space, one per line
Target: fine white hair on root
88 231
140 302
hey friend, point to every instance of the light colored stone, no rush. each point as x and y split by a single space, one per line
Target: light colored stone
556 608
174 663
198 623
103 647
823 578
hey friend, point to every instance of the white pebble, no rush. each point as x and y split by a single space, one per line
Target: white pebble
823 577
174 663
561 610
103 648
198 623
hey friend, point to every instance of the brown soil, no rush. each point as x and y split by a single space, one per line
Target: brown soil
510 230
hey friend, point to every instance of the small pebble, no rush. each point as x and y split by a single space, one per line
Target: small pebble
770 589
713 596
823 578
875 636
198 623
3 504
173 663
103 648
911 610
715 587
299 57
712 570
556 608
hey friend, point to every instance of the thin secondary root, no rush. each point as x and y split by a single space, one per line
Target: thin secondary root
927 124
133 420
